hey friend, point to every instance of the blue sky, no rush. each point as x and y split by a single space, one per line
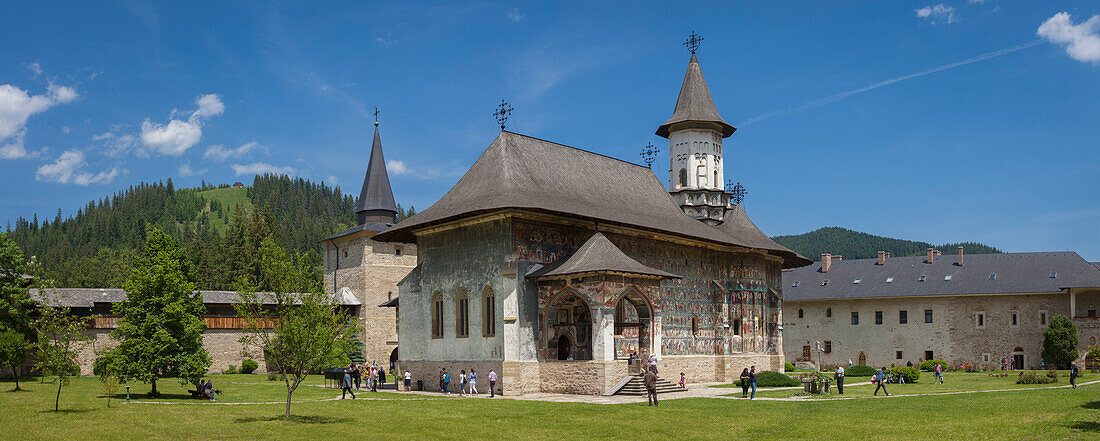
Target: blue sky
953 121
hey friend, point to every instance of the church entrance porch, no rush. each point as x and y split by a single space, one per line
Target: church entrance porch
633 326
568 328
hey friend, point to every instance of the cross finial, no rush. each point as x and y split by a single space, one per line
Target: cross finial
376 112
692 42
737 192
503 111
649 153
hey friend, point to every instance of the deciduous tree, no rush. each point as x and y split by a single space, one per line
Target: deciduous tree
1060 342
60 337
14 348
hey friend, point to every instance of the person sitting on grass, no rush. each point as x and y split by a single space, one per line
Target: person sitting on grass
210 390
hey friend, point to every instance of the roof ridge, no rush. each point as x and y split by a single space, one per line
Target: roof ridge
575 148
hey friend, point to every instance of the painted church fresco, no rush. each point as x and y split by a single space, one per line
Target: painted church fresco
751 284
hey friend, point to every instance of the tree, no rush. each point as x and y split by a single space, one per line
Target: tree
15 303
60 336
108 377
1060 342
1094 354
160 334
13 351
298 328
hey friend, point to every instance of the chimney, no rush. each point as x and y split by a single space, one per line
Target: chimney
882 258
826 262
937 252
960 256
931 256
887 254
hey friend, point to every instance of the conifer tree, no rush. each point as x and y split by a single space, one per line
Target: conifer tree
1060 342
160 334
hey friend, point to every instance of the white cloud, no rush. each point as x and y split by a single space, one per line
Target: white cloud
185 171
396 167
976 2
332 180
515 15
219 153
937 12
16 106
1082 41
260 168
176 137
34 68
69 168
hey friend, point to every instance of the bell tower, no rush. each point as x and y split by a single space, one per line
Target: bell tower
695 133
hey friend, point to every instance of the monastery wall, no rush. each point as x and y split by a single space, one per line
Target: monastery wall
222 345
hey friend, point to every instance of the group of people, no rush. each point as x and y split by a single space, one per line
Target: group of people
353 378
748 380
206 388
467 382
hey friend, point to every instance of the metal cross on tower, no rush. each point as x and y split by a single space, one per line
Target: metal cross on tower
502 113
692 42
737 191
376 112
649 154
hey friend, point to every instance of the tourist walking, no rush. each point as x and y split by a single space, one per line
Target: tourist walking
346 385
752 382
492 383
473 382
880 381
683 381
901 377
938 374
745 383
441 371
840 380
356 375
653 362
408 381
650 381
446 382
1073 375
382 376
462 383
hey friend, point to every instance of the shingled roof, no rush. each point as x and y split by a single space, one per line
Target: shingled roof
376 195
598 254
88 297
695 103
518 171
1016 273
737 225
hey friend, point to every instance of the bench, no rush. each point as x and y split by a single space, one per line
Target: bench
202 394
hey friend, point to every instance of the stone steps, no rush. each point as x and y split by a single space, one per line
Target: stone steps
636 386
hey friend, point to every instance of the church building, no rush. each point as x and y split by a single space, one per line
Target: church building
551 265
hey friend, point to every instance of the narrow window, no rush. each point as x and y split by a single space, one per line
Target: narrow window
397 251
1042 318
903 317
828 346
437 315
800 313
489 314
695 324
828 312
715 181
878 317
462 314
979 320
928 316
737 326
1015 319
683 177
855 318
899 355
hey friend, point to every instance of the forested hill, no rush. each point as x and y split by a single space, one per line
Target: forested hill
215 225
858 245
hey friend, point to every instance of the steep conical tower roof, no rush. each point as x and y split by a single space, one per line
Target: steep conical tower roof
376 202
695 103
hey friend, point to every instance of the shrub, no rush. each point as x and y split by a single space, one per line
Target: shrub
1033 377
232 370
930 365
772 379
860 370
273 376
911 374
249 366
788 367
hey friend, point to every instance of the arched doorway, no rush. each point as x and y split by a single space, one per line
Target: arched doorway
633 322
565 348
1018 358
569 322
862 358
393 361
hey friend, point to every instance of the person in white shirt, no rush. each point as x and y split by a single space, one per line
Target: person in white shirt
408 381
473 382
840 380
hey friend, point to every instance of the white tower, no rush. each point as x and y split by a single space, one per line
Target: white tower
695 133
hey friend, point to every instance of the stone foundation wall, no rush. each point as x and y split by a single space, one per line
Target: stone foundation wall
716 368
221 344
428 372
580 377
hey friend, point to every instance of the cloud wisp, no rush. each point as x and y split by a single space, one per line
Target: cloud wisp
17 106
1082 41
262 168
219 153
176 137
69 168
842 95
939 12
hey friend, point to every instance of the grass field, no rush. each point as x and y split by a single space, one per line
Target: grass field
1029 415
229 198
953 382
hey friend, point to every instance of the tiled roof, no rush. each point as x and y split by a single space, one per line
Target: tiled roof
900 276
88 297
695 103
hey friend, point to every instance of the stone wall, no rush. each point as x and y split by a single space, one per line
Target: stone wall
715 369
428 372
371 270
953 336
222 345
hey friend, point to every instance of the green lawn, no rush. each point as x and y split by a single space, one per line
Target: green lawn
1029 415
952 382
229 198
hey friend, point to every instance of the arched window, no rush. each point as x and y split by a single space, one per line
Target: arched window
694 325
736 326
715 181
462 314
437 315
683 177
489 312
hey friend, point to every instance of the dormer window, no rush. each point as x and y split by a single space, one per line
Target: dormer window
856 281
992 276
921 279
1053 275
824 282
795 284
947 278
889 280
